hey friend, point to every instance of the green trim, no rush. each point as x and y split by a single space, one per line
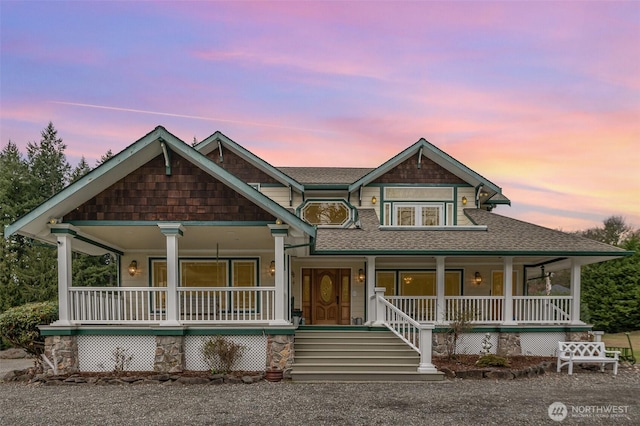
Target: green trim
87 240
100 245
155 223
438 156
210 143
454 253
165 331
172 231
340 328
518 329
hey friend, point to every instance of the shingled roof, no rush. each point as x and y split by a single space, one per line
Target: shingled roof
325 175
492 235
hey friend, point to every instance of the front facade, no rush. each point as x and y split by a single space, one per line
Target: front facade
213 240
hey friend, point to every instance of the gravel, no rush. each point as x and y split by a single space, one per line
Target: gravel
587 395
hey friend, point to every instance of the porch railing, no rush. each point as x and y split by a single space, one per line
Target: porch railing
486 309
476 309
117 305
420 308
414 334
542 309
226 304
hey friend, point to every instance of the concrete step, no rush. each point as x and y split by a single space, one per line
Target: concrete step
354 355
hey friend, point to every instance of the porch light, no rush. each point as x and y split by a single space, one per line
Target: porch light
464 201
361 275
477 278
272 268
133 267
374 200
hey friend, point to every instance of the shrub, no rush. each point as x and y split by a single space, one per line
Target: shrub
492 360
221 354
19 325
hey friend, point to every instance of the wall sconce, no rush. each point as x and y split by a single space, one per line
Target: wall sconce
477 278
133 267
374 200
361 275
407 279
464 201
272 268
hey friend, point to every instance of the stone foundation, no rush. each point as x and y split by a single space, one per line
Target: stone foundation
280 353
62 352
169 354
509 344
439 344
579 336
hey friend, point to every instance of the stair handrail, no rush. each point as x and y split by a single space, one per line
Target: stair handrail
413 333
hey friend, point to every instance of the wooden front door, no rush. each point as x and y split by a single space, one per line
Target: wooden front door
330 296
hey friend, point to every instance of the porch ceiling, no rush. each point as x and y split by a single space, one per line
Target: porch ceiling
195 238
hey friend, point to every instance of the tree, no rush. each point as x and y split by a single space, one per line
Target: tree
48 164
611 290
81 169
103 158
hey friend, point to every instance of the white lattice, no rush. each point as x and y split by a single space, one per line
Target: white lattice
471 343
541 344
254 357
99 353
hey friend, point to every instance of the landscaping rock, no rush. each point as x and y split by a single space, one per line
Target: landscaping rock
471 374
500 375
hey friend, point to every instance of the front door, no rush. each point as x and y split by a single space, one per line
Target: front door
330 295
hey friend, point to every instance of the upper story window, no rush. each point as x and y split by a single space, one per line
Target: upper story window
418 214
326 213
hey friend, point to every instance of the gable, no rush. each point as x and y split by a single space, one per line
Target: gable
239 167
429 172
188 194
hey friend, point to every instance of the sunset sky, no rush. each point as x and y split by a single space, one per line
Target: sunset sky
542 98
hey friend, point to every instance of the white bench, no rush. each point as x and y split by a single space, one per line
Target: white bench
585 352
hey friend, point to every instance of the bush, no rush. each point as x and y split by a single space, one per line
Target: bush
19 325
491 360
220 354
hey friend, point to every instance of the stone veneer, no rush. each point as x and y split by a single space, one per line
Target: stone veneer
62 352
169 354
509 344
280 353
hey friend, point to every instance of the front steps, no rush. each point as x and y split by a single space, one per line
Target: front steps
354 354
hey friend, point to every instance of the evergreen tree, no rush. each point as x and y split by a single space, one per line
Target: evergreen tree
611 290
81 169
106 156
48 163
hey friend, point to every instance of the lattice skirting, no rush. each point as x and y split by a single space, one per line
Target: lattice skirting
254 357
105 353
471 343
541 344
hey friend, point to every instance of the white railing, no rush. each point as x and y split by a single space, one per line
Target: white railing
226 304
401 324
476 309
420 308
414 334
117 305
542 309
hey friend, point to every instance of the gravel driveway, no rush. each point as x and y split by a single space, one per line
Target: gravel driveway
588 395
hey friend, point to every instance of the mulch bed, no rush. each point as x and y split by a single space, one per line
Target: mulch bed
464 367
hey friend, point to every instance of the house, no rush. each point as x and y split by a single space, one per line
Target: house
213 240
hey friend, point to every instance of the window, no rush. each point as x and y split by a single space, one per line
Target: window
418 215
326 213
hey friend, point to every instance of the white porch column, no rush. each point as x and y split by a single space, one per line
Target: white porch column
507 317
279 232
440 302
65 237
172 232
370 292
380 316
426 344
575 292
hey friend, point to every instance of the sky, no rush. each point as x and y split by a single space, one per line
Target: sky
541 98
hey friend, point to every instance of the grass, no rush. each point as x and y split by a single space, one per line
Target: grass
620 340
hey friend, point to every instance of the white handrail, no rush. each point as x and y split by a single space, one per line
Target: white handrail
542 309
226 304
117 305
420 308
401 324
